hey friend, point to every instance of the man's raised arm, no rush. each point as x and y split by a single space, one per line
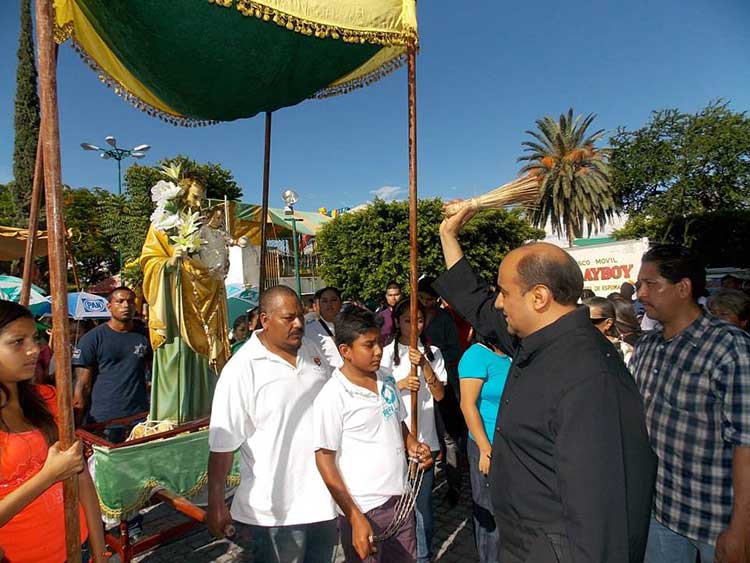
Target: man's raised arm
464 291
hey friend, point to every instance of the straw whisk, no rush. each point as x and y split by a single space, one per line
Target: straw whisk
521 191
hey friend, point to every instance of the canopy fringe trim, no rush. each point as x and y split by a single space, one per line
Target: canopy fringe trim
320 30
362 81
131 98
61 34
114 513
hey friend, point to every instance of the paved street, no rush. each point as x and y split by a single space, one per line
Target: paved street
453 536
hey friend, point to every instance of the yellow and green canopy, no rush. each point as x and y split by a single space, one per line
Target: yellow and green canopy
201 61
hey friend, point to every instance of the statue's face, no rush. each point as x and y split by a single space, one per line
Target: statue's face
216 219
195 194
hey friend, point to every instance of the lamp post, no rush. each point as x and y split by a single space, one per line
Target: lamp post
119 154
291 197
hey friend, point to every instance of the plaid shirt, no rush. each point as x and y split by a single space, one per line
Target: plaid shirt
696 393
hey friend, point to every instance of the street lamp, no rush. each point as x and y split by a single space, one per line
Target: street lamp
291 197
119 154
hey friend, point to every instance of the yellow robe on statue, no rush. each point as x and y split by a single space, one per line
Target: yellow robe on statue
188 329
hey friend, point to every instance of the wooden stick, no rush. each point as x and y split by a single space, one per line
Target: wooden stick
411 51
264 205
36 198
50 133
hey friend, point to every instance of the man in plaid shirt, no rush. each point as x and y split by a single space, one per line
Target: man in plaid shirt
694 375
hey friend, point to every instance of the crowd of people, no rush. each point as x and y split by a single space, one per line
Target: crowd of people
594 429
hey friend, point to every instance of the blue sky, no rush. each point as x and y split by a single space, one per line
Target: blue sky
485 73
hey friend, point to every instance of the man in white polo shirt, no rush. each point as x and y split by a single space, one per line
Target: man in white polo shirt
263 406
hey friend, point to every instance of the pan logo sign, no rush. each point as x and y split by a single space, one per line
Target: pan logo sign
93 305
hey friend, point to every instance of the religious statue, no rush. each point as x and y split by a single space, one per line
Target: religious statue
215 241
183 283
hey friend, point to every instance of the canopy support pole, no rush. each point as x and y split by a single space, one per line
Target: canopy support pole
264 206
50 134
36 197
411 54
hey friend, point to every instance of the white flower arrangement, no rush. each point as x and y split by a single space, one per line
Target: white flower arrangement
180 225
187 235
164 191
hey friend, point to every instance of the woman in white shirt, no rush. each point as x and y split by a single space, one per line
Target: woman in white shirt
321 329
429 383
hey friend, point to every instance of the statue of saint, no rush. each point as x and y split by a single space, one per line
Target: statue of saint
183 283
215 242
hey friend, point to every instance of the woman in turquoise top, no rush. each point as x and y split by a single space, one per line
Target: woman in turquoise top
482 371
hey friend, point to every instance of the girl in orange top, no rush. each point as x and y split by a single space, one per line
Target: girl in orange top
32 464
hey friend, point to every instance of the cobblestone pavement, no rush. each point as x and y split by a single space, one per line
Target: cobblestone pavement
453 542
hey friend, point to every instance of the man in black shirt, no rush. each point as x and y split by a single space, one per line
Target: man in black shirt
572 471
111 362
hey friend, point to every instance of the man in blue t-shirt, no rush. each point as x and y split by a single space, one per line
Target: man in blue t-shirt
111 362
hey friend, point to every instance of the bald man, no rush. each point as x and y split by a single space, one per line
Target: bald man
571 471
263 407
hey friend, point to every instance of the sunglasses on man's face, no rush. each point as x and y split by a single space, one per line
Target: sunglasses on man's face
597 320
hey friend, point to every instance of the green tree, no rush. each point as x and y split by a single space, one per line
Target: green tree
362 251
127 217
218 181
679 167
92 249
26 120
720 237
574 175
7 205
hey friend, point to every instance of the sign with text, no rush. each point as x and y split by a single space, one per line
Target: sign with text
607 266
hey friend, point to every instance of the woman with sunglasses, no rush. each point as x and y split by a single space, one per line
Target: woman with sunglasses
604 317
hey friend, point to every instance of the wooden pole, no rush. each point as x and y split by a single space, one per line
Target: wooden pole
50 133
264 205
411 54
36 198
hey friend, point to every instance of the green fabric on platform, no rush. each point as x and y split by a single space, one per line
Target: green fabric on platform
125 477
182 383
214 63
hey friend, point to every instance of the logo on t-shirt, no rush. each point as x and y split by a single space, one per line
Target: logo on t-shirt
390 397
140 350
76 354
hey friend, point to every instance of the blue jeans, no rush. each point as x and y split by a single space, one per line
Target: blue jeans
666 546
302 543
486 536
425 517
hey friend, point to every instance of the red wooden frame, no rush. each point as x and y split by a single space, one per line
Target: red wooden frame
121 542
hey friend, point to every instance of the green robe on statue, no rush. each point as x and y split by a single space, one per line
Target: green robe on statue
182 384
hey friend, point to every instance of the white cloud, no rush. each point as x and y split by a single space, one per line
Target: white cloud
387 192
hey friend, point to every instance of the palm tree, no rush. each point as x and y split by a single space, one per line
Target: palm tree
574 182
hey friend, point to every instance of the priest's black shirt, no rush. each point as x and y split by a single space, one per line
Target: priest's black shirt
571 455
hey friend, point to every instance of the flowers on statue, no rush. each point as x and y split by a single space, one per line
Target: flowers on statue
172 217
165 220
187 236
189 243
164 192
191 222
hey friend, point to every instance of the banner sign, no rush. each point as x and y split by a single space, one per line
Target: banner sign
607 266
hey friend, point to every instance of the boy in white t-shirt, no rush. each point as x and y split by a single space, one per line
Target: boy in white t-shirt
360 441
429 383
